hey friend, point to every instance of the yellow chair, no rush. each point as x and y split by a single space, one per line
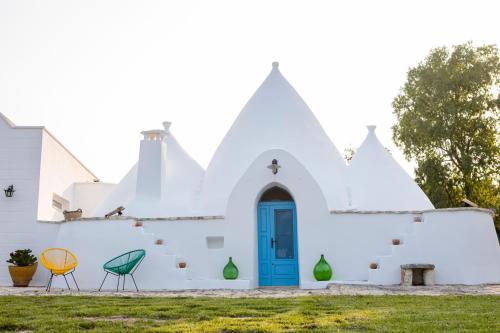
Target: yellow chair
59 262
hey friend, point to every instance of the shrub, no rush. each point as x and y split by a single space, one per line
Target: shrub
22 258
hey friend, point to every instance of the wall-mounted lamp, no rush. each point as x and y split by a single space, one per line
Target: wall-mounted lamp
9 191
274 166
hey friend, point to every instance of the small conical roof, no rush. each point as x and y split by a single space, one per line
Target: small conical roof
184 177
275 117
182 182
378 182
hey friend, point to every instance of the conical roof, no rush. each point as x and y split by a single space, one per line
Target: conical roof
275 117
182 182
378 182
184 177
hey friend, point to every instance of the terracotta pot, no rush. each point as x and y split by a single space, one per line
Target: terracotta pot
396 242
22 275
182 265
72 214
373 265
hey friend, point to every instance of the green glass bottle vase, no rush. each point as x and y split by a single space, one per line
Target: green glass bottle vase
230 271
322 270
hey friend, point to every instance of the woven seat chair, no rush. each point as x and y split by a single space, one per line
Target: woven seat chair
59 262
124 264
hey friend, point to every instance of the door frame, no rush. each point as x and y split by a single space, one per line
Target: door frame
276 205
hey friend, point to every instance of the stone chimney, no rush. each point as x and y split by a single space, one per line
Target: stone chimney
151 170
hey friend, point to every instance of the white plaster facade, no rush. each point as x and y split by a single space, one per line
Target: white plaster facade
39 167
348 213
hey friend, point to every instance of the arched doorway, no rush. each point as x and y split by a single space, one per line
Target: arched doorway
277 237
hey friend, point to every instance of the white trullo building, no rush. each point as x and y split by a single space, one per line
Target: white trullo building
276 195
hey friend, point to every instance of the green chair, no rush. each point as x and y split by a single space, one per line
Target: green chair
124 264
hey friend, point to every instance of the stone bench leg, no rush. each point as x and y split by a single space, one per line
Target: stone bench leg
406 277
429 277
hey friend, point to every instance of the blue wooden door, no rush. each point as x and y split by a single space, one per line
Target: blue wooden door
277 237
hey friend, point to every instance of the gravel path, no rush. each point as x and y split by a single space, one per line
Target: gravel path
334 289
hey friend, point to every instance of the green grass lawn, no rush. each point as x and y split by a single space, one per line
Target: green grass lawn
300 314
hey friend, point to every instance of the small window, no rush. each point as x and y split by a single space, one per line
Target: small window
215 242
59 203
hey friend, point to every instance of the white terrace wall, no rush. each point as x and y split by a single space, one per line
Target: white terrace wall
349 241
461 243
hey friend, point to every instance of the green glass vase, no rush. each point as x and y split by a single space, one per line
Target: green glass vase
230 271
322 270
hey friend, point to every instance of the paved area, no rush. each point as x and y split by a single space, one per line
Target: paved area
334 289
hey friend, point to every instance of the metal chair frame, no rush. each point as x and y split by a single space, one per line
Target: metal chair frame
64 275
56 271
124 275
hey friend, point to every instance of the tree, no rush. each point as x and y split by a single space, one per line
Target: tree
448 114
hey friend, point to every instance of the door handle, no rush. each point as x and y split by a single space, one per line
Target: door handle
272 243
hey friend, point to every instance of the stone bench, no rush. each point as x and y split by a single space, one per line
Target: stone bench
417 275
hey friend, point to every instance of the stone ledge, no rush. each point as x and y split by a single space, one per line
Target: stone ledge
439 210
145 219
421 266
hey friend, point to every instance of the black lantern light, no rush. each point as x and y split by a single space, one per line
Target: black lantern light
9 191
274 166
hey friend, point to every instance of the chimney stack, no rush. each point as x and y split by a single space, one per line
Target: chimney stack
151 171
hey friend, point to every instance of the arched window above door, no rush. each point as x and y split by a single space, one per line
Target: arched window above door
275 194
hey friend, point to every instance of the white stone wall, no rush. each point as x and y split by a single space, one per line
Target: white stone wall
350 241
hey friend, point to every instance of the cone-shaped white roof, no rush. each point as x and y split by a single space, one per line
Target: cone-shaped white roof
183 179
275 117
378 182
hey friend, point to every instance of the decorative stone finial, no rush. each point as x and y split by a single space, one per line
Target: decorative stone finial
371 128
276 64
166 125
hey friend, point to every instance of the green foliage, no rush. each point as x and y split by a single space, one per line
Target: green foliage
22 258
349 153
215 314
448 121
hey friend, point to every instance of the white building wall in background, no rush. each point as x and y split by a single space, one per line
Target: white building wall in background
19 166
88 196
59 170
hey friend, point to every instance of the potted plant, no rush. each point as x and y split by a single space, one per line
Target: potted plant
23 267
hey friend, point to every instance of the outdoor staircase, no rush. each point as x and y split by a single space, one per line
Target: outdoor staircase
388 271
165 262
161 260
